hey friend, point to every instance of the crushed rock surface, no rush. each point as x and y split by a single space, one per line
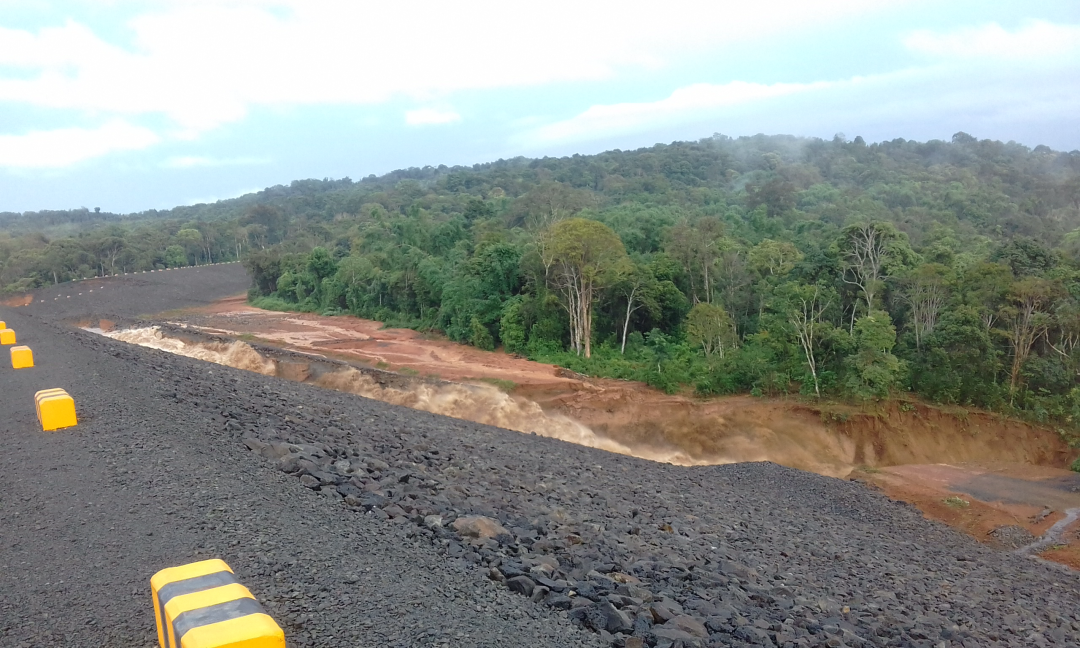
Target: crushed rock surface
360 523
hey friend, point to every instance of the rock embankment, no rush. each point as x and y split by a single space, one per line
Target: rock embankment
150 478
362 523
648 554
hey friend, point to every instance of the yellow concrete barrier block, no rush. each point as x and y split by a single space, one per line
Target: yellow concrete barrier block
55 409
177 581
21 357
44 393
201 605
3 325
7 336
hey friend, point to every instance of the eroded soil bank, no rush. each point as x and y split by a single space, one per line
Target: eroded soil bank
973 470
831 441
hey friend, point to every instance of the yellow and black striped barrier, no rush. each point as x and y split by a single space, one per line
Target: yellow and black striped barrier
201 605
21 357
55 409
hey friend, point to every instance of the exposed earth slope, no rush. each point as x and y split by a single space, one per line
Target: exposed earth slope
340 521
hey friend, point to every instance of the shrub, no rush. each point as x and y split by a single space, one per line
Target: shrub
480 337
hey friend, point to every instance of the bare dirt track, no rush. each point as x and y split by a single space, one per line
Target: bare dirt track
338 533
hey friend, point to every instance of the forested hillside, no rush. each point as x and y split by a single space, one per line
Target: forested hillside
763 264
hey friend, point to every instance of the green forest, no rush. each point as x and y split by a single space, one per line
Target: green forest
768 264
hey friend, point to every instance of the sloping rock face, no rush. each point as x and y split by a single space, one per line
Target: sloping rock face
744 554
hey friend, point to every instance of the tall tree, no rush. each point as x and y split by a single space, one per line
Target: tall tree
804 307
697 246
1027 318
985 287
774 258
636 284
585 255
926 290
874 370
870 251
710 327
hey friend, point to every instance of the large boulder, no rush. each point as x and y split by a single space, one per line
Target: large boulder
478 526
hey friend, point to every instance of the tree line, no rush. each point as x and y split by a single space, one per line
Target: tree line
768 265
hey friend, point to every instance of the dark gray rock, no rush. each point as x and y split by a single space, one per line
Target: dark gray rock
521 584
616 620
687 624
664 611
673 635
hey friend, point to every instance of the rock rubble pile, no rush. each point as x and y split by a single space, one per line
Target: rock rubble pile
654 555
394 527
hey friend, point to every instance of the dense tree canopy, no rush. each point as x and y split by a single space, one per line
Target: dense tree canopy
761 264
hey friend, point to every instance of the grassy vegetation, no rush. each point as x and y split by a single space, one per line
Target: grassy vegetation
270 302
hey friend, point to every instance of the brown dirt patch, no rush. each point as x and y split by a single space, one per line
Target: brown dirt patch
717 430
366 341
998 494
1068 554
18 300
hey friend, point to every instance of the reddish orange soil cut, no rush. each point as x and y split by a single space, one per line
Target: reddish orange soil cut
716 430
360 340
979 498
999 472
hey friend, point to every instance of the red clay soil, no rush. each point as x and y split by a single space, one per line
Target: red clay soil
17 301
717 430
1067 555
996 495
1006 470
366 341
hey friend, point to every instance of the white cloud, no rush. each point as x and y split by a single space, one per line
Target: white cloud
428 116
192 161
1035 40
66 146
209 200
695 101
884 106
204 64
975 75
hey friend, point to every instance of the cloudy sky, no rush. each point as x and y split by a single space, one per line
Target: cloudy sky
132 105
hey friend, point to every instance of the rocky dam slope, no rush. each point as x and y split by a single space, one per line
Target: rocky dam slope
359 523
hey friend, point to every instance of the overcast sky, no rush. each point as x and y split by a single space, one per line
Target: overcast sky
132 105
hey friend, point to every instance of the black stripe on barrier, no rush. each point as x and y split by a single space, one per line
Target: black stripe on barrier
215 614
196 584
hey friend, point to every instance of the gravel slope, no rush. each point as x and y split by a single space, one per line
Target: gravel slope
143 293
341 521
150 478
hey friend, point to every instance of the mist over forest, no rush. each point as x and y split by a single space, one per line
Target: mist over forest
767 264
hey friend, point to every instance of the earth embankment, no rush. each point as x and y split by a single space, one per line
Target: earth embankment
340 511
616 415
